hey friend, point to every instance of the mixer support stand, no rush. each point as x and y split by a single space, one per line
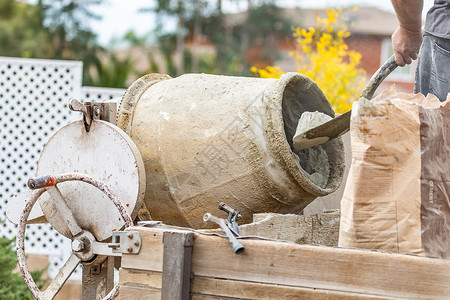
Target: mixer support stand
98 279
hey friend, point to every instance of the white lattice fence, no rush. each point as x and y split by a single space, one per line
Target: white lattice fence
33 105
91 93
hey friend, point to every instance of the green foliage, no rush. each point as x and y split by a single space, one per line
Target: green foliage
65 20
22 32
112 72
133 39
153 65
207 64
49 29
12 285
250 42
183 10
264 28
167 43
57 29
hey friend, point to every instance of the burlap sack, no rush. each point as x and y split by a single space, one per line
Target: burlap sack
397 196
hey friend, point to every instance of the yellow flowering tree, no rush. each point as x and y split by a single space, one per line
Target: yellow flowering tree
322 55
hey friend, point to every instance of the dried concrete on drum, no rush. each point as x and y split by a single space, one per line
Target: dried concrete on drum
207 139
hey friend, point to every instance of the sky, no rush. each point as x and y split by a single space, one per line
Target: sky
120 16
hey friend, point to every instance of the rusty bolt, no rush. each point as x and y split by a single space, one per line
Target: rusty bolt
129 249
130 235
77 245
96 270
136 243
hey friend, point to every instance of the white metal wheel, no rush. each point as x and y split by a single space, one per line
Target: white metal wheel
75 258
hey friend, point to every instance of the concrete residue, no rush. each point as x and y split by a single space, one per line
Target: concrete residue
322 229
315 163
314 160
307 121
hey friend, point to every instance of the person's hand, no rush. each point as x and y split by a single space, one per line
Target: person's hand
406 44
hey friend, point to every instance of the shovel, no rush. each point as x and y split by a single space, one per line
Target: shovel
341 124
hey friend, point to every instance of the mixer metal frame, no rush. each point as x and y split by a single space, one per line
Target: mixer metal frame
97 258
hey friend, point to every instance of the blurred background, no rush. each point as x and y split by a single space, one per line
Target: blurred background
118 41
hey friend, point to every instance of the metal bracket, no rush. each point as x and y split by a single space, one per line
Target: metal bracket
128 242
105 111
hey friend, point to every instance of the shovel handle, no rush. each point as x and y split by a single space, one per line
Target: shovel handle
377 78
341 124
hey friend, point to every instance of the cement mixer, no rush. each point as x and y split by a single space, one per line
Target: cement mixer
180 146
206 139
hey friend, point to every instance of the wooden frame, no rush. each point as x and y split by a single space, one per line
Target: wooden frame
278 270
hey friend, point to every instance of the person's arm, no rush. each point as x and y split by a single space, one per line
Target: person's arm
407 38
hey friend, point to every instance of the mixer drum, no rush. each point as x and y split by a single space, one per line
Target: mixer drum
206 139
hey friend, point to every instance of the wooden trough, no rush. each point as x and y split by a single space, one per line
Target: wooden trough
181 264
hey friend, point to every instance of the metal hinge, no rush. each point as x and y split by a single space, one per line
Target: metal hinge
126 242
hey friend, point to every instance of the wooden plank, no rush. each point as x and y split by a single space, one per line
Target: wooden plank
210 297
176 265
205 297
149 279
314 267
138 292
151 255
320 267
214 288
